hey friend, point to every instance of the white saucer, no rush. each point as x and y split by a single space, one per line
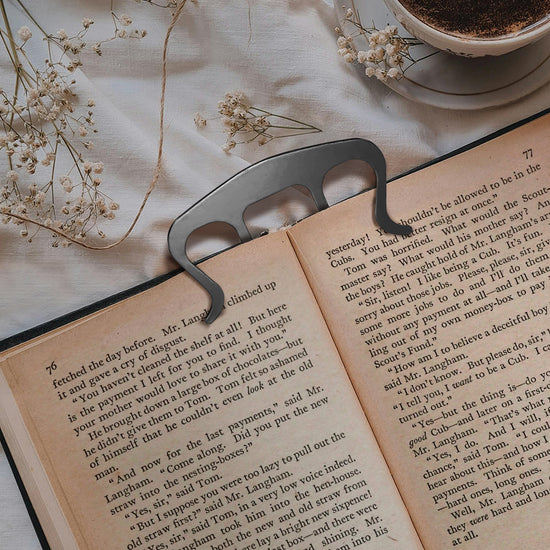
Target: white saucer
454 82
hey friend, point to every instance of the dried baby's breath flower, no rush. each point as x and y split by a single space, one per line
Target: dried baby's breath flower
387 50
393 72
12 176
137 33
97 167
199 120
241 118
42 120
228 145
43 123
87 22
24 33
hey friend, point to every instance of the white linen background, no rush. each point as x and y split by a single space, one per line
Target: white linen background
282 54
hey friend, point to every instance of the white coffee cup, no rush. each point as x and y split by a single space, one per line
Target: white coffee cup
469 46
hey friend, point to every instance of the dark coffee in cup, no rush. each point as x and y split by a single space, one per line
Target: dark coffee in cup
479 18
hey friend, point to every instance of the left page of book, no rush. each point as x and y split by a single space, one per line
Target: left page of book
156 430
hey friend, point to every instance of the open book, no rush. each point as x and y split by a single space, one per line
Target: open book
359 390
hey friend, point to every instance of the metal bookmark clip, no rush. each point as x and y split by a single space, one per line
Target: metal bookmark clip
307 167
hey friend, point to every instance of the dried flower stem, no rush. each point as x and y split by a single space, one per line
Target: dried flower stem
12 52
253 123
175 16
87 171
387 50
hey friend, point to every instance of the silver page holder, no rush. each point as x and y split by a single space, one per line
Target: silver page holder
307 167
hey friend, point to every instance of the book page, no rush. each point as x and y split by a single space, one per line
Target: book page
158 431
446 337
53 521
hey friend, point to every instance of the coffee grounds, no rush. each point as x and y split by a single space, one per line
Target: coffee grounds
480 18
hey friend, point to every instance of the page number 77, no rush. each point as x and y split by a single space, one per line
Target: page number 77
528 154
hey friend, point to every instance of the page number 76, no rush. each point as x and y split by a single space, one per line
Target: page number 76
51 368
528 154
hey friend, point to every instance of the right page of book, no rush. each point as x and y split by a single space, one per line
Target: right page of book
446 336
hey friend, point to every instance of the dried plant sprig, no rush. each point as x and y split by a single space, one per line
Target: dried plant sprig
46 127
199 120
246 123
387 51
175 15
170 4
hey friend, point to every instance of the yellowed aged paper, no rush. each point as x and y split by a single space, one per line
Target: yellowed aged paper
446 336
32 472
162 432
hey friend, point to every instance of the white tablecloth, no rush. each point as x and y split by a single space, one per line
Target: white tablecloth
283 56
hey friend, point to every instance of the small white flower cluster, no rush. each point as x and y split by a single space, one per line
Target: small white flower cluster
74 45
80 213
387 50
199 120
125 21
234 108
133 33
44 127
24 33
240 117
